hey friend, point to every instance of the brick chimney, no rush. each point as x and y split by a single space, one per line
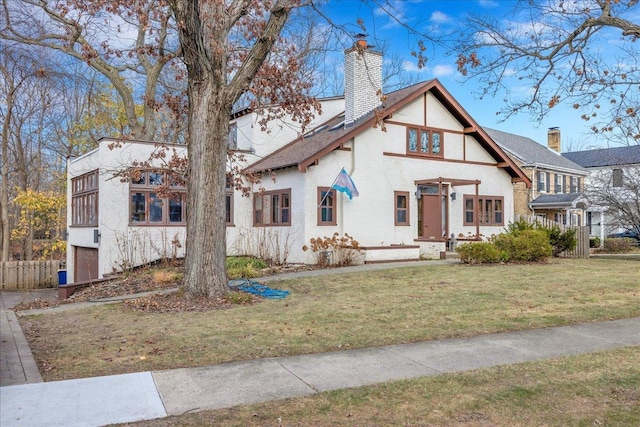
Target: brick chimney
553 139
362 81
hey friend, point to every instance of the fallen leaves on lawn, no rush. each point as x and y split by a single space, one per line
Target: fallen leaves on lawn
178 302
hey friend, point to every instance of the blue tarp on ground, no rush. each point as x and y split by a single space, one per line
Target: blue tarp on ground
253 287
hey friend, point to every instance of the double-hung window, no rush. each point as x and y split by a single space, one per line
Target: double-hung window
490 210
559 187
401 214
148 207
424 142
272 208
326 206
543 182
84 200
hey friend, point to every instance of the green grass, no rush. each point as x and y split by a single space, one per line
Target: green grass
329 313
598 389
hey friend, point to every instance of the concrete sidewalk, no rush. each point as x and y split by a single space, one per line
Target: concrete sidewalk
147 395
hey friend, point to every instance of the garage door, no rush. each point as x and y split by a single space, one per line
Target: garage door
86 265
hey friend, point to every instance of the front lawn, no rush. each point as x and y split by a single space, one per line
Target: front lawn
329 313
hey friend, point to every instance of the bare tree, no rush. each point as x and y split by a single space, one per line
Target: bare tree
128 42
620 195
547 52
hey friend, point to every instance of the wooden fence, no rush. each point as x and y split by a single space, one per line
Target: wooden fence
582 235
22 275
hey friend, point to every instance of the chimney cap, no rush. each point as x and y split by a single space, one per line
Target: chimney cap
554 128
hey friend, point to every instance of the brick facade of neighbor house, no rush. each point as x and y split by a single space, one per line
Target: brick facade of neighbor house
556 182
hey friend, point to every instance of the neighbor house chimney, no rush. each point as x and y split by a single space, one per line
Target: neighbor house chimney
553 139
362 81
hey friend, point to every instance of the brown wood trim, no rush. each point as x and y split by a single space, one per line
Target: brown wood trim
439 159
470 129
407 196
443 130
334 207
440 240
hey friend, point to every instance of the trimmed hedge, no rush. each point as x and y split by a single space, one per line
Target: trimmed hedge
525 246
480 253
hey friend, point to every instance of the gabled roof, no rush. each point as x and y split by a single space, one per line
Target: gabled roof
529 152
606 156
331 135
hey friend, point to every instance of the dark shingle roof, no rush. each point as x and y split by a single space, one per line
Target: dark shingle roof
555 200
529 151
606 156
329 136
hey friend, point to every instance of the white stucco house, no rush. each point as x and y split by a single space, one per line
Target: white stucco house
425 171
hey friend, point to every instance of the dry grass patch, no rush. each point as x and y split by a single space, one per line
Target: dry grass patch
328 313
599 389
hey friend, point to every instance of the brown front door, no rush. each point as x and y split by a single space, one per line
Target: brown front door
86 265
431 216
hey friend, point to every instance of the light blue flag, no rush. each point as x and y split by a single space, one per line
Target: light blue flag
345 184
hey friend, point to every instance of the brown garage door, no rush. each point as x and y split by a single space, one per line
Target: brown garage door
86 265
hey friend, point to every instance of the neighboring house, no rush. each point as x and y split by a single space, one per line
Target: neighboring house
557 186
424 169
613 172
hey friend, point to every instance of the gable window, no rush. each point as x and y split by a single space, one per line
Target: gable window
401 215
490 210
543 182
84 199
272 208
148 207
617 177
326 206
575 184
559 187
232 142
424 142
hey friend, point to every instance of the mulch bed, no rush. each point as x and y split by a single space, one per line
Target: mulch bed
141 281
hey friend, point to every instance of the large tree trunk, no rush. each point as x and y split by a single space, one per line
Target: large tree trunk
205 273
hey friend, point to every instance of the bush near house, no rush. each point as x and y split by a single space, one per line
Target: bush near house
524 246
481 253
522 242
559 240
343 250
618 245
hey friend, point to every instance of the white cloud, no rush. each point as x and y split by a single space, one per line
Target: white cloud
488 4
443 70
439 17
440 70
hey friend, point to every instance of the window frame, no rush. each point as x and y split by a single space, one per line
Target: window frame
85 191
544 185
397 210
617 178
559 183
481 210
281 196
332 208
147 187
430 132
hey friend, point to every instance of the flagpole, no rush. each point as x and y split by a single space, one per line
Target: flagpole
327 193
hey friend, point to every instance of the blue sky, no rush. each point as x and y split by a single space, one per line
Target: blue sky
441 18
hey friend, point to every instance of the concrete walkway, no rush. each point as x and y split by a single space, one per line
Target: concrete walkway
147 395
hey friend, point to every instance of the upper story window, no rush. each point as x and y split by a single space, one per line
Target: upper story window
424 142
401 214
575 184
232 143
559 187
326 206
616 177
147 207
490 210
543 182
272 208
84 199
